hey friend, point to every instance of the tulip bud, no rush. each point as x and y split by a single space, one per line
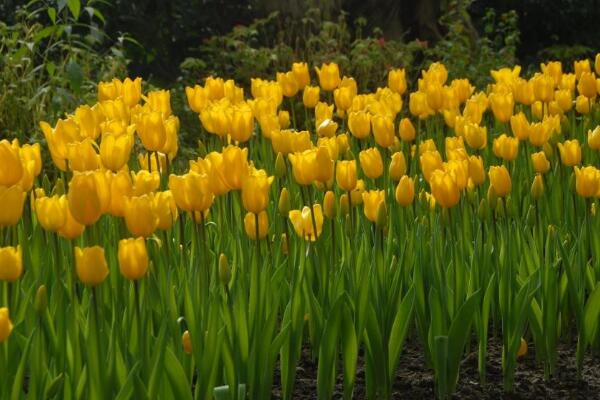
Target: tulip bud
500 211
522 349
224 270
133 258
537 188
510 207
41 300
11 263
280 167
284 204
492 197
382 216
445 217
284 244
530 217
329 205
348 225
344 204
482 211
5 324
186 341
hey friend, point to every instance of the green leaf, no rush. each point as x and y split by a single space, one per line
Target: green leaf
74 7
591 316
52 14
349 352
176 375
74 75
400 330
126 391
17 386
328 351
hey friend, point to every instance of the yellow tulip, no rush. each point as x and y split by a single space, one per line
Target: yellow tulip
110 90
51 212
523 92
166 209
301 74
304 166
587 181
31 153
476 170
120 189
5 324
11 169
430 161
506 75
397 166
444 188
371 201
543 87
332 144
71 229
324 165
345 175
342 97
87 119
289 141
476 136
89 196
90 265
310 96
540 162
302 221
597 64
197 98
287 81
215 169
581 66
593 137
537 187
539 134
11 263
587 85
371 163
140 215
133 258
144 182
397 80
564 99
500 180
255 191
235 166
502 105
359 124
554 69
383 130
407 130
520 126
192 191
151 129
159 101
215 88
12 199
115 150
506 147
582 104
570 152
250 225
418 106
329 76
329 204
405 191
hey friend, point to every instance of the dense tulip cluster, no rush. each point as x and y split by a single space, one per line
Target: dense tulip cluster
408 208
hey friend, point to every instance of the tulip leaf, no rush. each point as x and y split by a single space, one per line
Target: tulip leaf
176 375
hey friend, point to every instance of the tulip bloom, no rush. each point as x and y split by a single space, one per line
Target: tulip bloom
242 123
537 187
12 199
90 265
541 165
397 80
587 85
151 130
345 175
500 180
405 191
371 163
570 152
444 188
303 224
289 141
593 137
133 258
71 229
89 196
502 105
397 166
430 161
52 212
165 209
539 134
10 160
476 136
406 130
329 76
192 191
234 166
140 215
506 147
5 324
301 74
115 150
287 81
197 98
359 123
587 181
520 126
476 170
383 130
250 225
11 263
304 166
371 202
255 191
310 96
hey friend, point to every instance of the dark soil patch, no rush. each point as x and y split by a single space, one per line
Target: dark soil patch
415 381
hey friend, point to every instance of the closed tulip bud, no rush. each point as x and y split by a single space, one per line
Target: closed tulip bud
301 74
140 215
382 216
344 204
587 85
302 221
359 123
397 80
41 300
5 324
476 136
593 137
11 263
52 212
520 126
284 244
342 97
280 167
582 104
482 210
242 123
284 119
499 209
405 191
500 180
255 191
383 130
541 164
284 205
310 96
444 188
329 76
90 265
115 150
476 170
570 152
325 165
329 205
397 166
346 175
407 130
186 342
587 181
133 258
537 188
506 147
371 163
287 81
12 199
165 209
250 225
224 270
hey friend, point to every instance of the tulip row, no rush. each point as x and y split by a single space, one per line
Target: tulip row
333 220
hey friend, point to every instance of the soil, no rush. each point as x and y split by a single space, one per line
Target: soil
415 381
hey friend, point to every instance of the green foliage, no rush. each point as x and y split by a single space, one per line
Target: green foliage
50 61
